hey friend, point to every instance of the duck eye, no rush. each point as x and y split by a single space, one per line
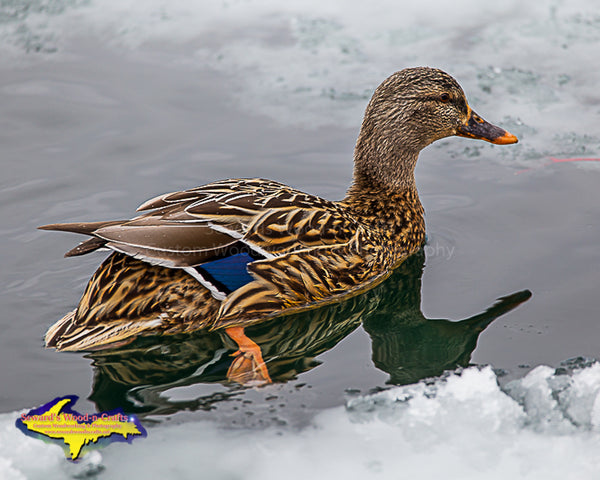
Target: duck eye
445 97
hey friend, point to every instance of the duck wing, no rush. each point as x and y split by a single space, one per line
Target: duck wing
218 220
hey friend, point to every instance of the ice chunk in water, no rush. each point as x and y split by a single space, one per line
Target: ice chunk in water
462 424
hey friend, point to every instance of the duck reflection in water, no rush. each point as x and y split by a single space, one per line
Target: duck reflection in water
405 345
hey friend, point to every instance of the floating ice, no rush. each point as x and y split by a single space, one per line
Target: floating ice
463 425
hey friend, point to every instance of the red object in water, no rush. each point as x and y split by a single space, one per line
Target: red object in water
579 159
563 160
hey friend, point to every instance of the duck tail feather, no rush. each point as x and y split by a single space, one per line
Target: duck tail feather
56 331
66 336
85 228
88 246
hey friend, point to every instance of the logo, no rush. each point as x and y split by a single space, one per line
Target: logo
56 421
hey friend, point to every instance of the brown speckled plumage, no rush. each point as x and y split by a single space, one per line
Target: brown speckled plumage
311 250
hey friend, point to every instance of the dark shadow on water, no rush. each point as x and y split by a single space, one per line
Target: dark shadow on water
405 345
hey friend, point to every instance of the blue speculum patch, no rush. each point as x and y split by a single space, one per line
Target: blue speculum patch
229 273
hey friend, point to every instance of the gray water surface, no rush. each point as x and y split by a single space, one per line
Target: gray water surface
88 131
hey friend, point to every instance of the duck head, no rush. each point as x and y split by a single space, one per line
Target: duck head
409 110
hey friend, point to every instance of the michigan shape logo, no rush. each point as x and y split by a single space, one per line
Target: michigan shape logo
57 421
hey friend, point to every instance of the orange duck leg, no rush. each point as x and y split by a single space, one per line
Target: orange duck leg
248 366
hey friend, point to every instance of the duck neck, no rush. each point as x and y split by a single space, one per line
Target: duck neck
384 196
391 180
382 171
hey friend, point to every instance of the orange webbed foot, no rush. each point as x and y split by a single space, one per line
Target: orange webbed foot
248 366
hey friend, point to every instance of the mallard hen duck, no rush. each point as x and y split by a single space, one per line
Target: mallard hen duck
235 252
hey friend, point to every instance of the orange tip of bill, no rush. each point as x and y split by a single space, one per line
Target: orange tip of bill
505 139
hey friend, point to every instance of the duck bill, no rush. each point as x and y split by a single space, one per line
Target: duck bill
477 127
